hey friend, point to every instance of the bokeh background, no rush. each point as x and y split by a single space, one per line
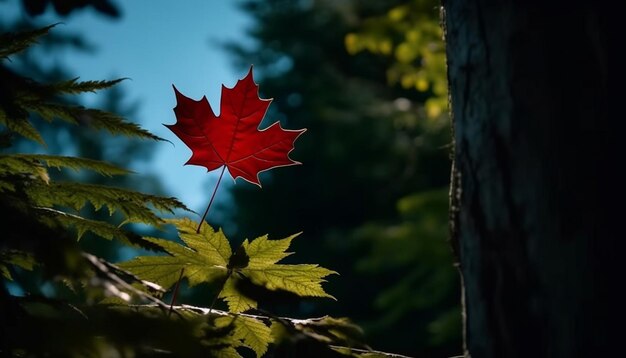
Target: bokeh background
366 78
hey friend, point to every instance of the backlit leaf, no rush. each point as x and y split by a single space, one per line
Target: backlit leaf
210 243
264 252
233 139
236 301
303 280
199 266
208 257
252 332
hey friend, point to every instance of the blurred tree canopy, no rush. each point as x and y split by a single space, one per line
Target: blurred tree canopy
368 81
411 35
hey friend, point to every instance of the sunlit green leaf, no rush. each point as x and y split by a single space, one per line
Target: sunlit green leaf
264 252
210 243
236 301
196 266
252 333
303 280
207 256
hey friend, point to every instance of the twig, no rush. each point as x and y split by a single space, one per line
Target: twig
292 321
102 267
356 350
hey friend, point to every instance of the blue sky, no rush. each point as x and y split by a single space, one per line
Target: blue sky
158 43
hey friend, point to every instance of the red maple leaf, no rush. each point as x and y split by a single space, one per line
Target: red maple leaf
233 139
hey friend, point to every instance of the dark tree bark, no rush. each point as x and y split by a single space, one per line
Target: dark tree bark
536 179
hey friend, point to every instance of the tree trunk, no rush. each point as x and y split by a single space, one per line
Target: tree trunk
535 175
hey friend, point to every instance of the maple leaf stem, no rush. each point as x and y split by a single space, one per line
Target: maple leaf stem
175 294
211 201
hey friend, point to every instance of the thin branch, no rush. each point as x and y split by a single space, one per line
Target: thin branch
102 267
356 350
206 311
291 321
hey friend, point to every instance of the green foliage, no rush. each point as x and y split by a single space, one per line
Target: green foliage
428 287
207 257
133 205
102 229
34 164
94 118
204 259
303 280
74 86
29 193
409 33
24 96
16 258
92 307
249 332
13 43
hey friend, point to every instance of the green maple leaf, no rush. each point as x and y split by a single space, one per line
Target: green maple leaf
235 300
208 257
204 259
250 332
263 270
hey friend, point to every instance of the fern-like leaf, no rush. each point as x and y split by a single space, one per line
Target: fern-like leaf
14 42
102 229
94 118
22 126
74 86
33 164
76 163
133 205
25 96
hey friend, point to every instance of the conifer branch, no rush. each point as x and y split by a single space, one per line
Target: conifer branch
133 205
74 86
33 163
14 42
100 228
